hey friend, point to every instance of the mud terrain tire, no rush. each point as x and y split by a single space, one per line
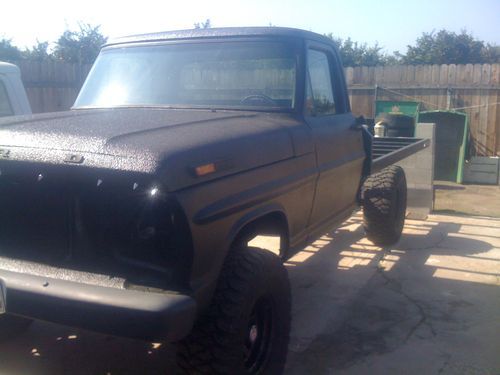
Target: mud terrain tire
384 205
246 328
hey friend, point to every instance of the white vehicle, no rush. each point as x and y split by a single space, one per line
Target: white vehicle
13 99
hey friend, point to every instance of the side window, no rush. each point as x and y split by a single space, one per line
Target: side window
319 92
5 107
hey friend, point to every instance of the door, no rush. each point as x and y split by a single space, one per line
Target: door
339 144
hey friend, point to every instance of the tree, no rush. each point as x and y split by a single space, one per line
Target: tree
39 52
446 47
394 59
357 54
81 46
203 25
492 53
8 52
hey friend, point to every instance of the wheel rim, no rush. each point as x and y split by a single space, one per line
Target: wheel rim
258 335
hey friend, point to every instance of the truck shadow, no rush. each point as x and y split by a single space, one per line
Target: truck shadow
350 301
429 284
53 349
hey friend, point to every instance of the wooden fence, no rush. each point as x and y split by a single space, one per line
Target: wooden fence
51 85
474 89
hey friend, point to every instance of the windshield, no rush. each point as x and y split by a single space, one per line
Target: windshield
225 75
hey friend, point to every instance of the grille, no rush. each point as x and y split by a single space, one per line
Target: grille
114 225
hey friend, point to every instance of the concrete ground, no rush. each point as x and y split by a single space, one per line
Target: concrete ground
429 305
467 199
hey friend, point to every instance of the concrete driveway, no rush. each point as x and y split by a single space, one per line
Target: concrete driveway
430 305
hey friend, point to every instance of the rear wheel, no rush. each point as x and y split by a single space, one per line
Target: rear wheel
384 205
11 325
246 329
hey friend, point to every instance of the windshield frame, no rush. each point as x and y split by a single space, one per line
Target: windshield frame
296 45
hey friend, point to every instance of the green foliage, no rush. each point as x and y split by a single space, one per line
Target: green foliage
203 25
39 52
81 46
357 54
445 47
8 52
442 47
492 53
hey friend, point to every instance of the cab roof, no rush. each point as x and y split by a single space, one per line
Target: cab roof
6 67
226 32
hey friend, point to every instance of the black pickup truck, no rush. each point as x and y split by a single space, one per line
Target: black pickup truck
131 213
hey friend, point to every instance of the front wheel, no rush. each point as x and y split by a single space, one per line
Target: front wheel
246 329
384 205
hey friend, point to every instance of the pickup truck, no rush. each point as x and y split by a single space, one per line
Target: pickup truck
131 213
13 99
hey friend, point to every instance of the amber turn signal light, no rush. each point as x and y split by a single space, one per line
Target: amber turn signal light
205 169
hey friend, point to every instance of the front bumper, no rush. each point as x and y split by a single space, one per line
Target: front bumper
121 312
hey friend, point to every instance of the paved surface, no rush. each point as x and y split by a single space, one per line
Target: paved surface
467 199
430 305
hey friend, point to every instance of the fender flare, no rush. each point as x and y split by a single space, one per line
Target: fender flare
253 216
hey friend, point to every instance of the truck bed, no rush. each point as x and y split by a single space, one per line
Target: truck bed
390 150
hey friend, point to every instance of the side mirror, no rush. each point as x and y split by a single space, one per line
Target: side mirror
360 120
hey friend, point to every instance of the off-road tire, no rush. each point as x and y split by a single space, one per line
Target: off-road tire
384 205
219 341
11 326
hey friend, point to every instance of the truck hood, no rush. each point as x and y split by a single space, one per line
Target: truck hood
168 142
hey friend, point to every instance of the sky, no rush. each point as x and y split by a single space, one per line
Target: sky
392 23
